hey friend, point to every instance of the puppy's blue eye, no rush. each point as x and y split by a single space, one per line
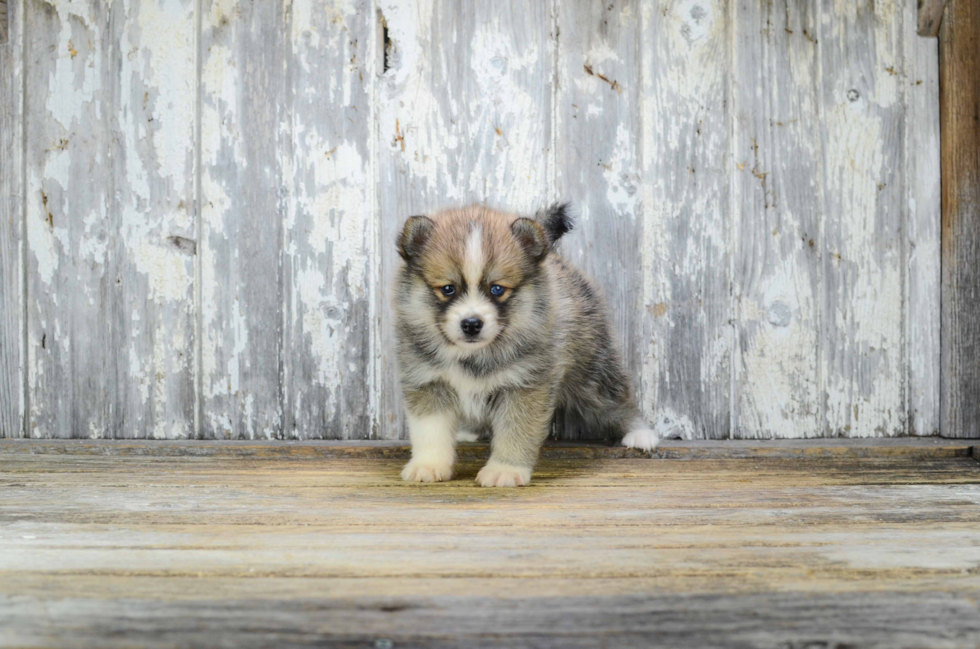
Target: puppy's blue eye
497 290
448 290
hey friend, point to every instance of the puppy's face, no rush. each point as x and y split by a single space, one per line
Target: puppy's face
470 269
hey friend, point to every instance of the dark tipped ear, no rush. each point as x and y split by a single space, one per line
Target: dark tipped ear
416 233
532 238
556 221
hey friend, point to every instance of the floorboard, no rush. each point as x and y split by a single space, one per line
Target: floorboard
819 544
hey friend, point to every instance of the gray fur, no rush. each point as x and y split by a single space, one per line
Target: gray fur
555 353
556 221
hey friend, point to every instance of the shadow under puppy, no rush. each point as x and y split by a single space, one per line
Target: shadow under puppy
495 330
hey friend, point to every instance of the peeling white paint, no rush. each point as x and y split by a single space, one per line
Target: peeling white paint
460 116
166 270
40 237
164 53
75 73
337 205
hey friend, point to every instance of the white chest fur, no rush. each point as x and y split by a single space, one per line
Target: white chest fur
472 393
473 405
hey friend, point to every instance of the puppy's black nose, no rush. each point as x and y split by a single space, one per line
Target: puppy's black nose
471 326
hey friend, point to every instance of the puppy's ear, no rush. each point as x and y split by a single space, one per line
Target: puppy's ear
416 233
532 238
556 221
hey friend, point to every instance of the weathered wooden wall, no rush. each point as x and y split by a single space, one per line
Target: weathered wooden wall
199 202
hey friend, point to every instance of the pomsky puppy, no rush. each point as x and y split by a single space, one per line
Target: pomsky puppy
496 330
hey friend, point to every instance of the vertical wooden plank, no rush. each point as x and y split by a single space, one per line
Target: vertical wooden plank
465 116
330 252
110 169
777 213
12 303
241 226
923 187
863 352
959 101
687 161
69 174
153 245
597 132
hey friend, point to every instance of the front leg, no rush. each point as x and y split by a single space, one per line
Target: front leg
521 422
432 418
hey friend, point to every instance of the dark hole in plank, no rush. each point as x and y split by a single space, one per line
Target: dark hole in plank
386 42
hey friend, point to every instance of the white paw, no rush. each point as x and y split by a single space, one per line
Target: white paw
641 438
463 435
416 471
497 474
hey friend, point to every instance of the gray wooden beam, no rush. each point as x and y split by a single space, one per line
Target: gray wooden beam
152 223
329 281
930 17
70 271
861 261
922 230
110 233
596 143
924 448
777 387
687 287
11 228
959 96
241 237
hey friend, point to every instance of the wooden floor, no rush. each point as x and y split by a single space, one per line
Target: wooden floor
824 545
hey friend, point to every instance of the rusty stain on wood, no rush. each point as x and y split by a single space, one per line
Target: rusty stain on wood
612 83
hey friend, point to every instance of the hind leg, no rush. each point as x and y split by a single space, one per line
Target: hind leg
613 412
624 425
640 436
